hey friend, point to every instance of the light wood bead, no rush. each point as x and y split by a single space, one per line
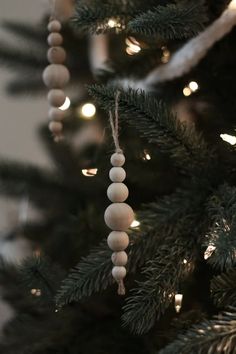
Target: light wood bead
56 76
119 258
118 241
56 114
117 192
55 39
117 159
119 216
54 26
56 98
117 174
56 55
119 273
55 127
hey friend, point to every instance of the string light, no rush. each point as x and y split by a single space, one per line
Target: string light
165 55
228 138
36 292
88 110
112 23
190 88
135 224
178 302
185 261
146 156
209 251
133 46
91 172
65 105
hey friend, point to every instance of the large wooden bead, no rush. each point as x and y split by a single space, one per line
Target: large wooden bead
117 174
56 76
56 114
55 128
56 55
117 192
54 26
119 258
56 98
55 39
119 216
118 241
117 159
119 273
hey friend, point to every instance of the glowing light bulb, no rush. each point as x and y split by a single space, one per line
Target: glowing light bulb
88 110
232 4
135 224
65 105
36 292
187 91
112 23
165 55
228 138
193 85
91 172
185 261
209 251
133 46
178 302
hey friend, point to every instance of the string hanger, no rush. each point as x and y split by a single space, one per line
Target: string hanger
114 122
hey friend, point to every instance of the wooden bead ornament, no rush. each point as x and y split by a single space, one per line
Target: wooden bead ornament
56 76
118 215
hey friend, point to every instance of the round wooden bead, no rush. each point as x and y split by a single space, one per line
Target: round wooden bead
119 273
118 241
117 174
119 258
119 216
56 97
56 76
117 192
54 26
55 39
55 127
117 159
56 55
56 114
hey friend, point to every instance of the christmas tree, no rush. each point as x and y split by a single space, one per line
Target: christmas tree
167 68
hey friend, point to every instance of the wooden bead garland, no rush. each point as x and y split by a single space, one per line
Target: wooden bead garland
56 76
118 215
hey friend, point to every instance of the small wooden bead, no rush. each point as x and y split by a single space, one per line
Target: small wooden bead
117 174
56 97
56 55
119 216
55 39
117 159
56 114
56 76
119 258
118 241
54 26
55 127
117 192
119 273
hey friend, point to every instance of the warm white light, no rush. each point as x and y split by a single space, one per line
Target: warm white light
232 4
91 172
187 91
185 261
165 55
193 85
209 251
178 302
133 46
36 292
65 105
148 157
88 110
112 23
228 138
135 223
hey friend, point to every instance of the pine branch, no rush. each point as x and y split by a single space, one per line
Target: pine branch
162 278
173 21
222 235
40 274
171 215
214 336
157 124
223 289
